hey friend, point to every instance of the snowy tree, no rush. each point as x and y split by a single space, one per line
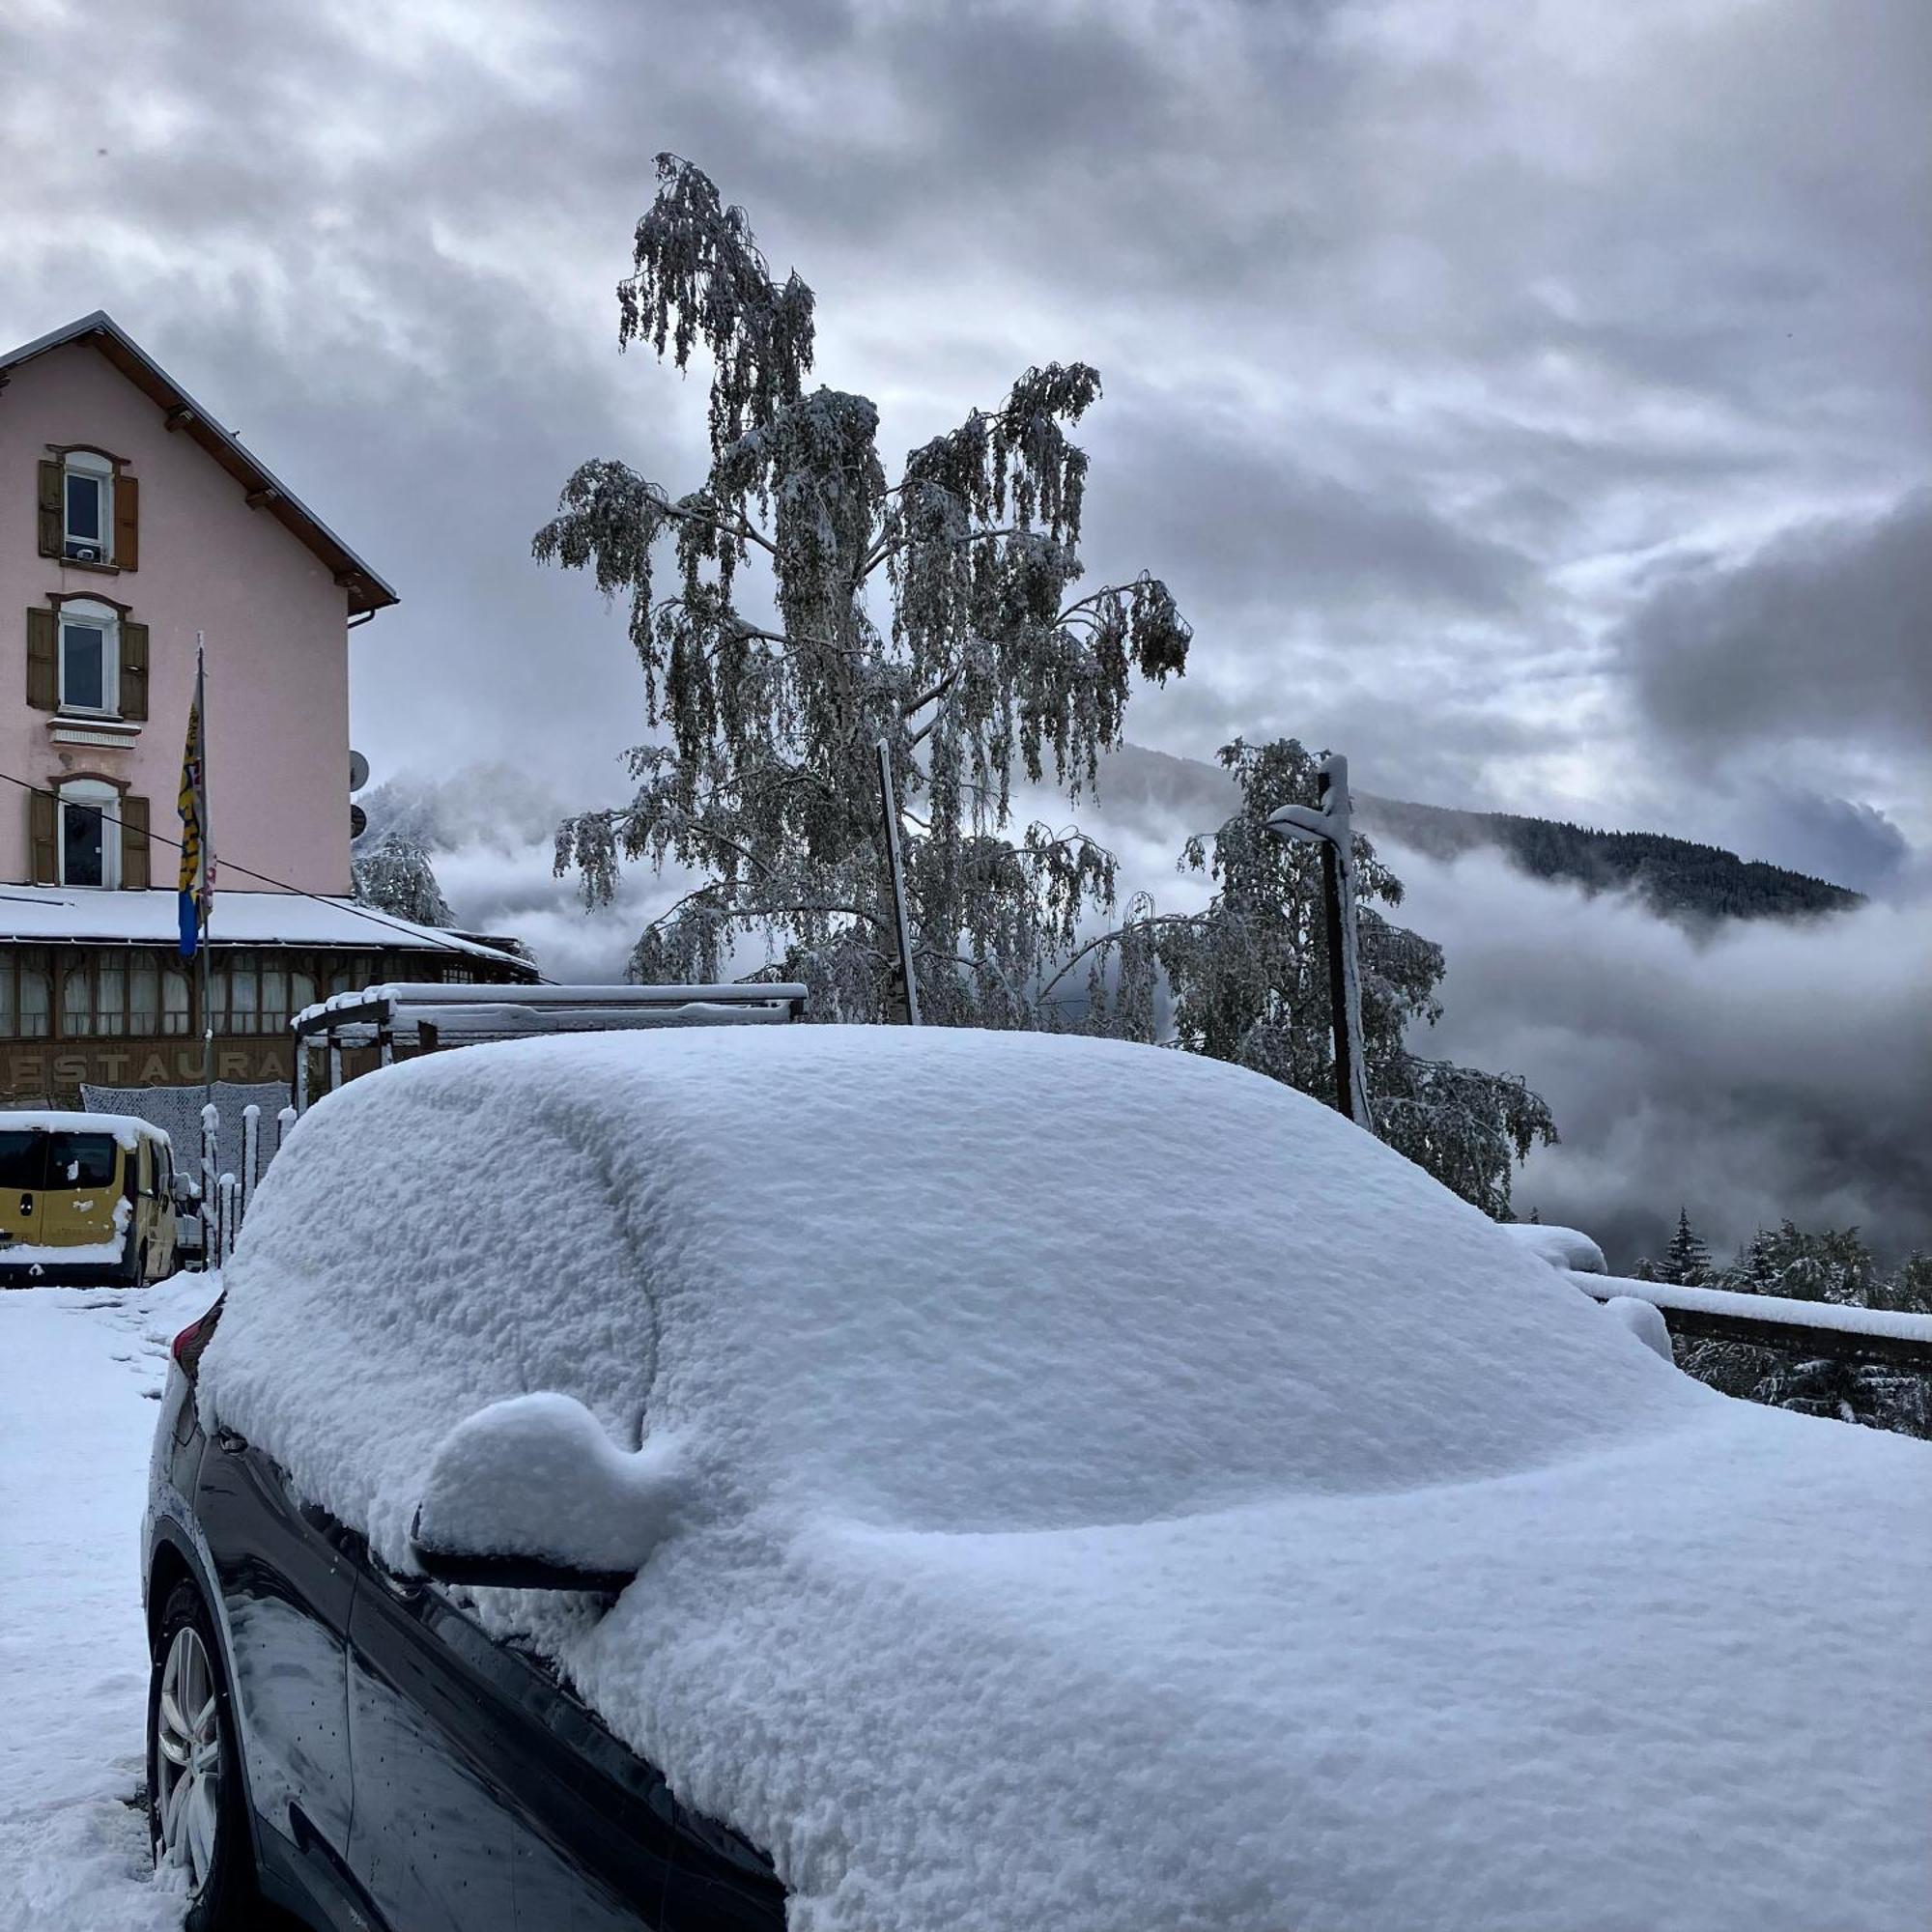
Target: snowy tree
796 608
1833 1265
397 877
1687 1260
1248 981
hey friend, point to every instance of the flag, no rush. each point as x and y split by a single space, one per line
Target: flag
197 875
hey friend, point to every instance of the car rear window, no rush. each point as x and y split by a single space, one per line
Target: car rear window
80 1160
22 1159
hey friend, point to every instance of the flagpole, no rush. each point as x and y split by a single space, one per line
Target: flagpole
206 899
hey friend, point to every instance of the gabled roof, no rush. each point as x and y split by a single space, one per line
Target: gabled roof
367 591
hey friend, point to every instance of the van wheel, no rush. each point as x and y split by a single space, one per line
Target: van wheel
195 1815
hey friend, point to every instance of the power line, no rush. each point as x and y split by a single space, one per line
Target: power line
415 934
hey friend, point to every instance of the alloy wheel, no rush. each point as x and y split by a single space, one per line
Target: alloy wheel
188 1762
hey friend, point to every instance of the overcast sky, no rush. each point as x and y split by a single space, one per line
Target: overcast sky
1535 401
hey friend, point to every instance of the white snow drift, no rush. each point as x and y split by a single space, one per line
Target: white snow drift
1119 1492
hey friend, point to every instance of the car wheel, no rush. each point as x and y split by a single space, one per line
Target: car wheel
195 1814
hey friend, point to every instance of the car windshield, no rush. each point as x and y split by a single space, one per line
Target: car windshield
22 1159
80 1160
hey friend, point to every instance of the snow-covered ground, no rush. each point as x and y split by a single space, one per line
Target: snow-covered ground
84 1367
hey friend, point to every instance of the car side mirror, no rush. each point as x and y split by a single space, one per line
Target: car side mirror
188 1194
533 1494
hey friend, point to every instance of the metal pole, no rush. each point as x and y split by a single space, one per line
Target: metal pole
251 1157
1345 978
888 805
1331 826
210 1203
205 905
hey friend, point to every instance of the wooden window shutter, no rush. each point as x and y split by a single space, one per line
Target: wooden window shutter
135 867
127 522
53 524
42 681
40 808
133 669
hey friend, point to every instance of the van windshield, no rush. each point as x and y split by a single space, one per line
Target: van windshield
80 1160
22 1159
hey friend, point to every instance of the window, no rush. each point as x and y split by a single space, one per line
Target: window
87 507
80 1160
90 658
23 1160
90 834
118 992
24 1007
35 1002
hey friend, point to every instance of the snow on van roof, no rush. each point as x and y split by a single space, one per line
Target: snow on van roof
1127 1492
127 1128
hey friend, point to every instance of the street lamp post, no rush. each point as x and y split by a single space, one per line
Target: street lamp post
1329 826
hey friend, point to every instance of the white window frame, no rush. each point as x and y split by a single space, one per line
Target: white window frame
100 469
102 797
93 614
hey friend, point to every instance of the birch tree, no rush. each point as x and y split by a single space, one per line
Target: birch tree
798 606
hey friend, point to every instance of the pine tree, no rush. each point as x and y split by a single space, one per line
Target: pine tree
1687 1260
397 877
1833 1265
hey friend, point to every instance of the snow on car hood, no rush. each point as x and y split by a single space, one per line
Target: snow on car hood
1129 1495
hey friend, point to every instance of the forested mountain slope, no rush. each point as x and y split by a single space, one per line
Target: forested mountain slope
1674 874
1162 796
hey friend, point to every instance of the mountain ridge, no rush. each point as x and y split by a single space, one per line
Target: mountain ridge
1676 877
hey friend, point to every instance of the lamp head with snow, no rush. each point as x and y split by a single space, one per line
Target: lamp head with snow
530 1493
1301 821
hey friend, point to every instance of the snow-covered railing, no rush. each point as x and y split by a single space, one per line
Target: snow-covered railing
431 1014
1778 1322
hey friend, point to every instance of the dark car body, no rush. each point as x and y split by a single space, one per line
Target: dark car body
401 1769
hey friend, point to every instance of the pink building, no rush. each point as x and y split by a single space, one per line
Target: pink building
130 523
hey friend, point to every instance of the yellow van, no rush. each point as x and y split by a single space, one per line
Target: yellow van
85 1197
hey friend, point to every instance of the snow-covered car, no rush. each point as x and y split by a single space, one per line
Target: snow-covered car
905 1480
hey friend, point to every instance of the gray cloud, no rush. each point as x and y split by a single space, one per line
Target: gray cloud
1428 344
1823 635
1768 1070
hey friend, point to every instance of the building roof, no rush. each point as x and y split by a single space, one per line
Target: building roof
68 915
367 591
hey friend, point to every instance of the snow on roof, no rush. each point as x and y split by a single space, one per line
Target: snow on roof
366 590
127 1128
1125 1492
31 915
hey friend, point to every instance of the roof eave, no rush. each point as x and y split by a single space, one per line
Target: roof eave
366 590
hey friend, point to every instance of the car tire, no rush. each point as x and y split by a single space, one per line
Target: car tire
197 1821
